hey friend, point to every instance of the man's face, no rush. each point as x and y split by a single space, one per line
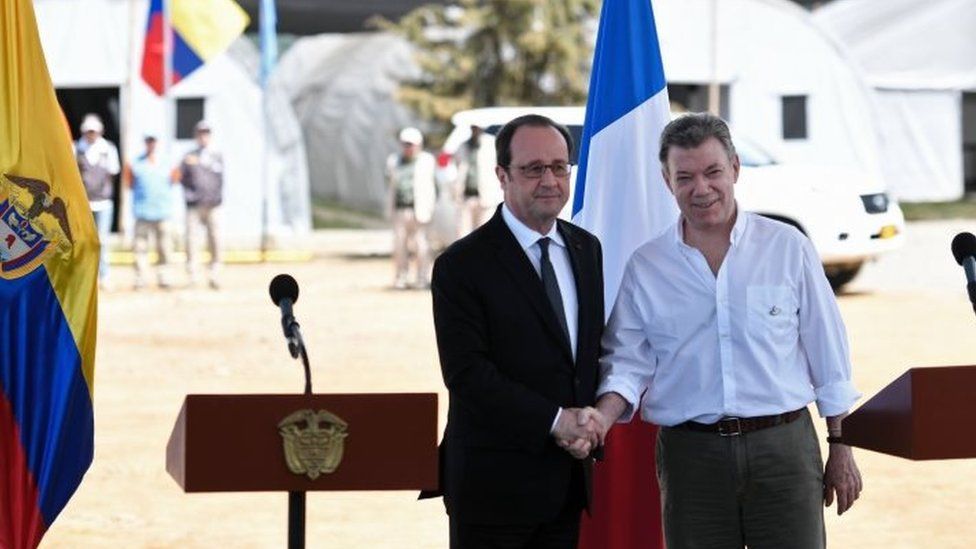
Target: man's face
150 146
91 136
409 150
203 138
535 201
702 180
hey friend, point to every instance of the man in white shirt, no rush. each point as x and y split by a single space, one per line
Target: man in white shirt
412 196
98 164
728 322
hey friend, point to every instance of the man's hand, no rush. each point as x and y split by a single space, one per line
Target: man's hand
576 436
593 422
579 431
841 476
600 421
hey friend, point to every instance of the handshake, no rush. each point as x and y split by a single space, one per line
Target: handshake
580 430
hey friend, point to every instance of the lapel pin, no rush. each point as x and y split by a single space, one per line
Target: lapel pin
774 311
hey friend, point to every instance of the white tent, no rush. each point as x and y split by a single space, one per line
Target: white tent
921 59
93 44
343 88
769 53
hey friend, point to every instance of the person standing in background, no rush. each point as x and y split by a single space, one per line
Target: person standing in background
202 176
98 162
411 200
475 161
151 184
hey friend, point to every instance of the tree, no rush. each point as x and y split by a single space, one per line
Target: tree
479 53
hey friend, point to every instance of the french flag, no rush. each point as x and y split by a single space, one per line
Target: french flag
622 198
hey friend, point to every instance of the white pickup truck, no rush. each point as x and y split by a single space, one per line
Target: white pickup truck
846 214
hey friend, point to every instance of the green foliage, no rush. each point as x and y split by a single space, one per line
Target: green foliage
480 53
921 211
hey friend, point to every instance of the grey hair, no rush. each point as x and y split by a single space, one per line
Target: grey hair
691 130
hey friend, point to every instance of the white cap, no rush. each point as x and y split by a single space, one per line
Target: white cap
202 126
412 136
92 123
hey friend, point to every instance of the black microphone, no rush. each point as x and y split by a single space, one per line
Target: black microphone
284 293
964 250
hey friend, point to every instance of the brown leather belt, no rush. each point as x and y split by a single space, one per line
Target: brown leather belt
734 426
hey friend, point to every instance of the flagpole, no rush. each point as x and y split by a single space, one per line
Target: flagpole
168 123
267 23
169 126
126 122
265 184
713 86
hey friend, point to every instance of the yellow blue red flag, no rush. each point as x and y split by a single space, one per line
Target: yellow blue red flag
199 30
48 293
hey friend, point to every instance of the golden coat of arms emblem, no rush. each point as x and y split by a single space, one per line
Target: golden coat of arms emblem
33 225
313 442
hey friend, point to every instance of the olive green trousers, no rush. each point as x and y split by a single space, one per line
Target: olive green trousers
761 490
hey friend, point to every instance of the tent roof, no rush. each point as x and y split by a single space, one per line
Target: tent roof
907 44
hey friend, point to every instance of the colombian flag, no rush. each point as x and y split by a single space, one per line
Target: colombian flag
200 30
48 278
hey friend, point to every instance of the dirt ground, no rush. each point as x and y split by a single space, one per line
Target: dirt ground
154 347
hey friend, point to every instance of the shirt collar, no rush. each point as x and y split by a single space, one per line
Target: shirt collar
527 237
739 228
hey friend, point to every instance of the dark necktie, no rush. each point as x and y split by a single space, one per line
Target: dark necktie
551 285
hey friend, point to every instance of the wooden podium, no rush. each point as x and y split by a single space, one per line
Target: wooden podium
230 443
927 413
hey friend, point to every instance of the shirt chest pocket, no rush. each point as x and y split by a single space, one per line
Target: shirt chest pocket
771 311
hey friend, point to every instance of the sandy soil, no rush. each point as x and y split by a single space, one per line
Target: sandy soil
155 347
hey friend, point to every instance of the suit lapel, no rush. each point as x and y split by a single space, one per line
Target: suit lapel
583 278
512 257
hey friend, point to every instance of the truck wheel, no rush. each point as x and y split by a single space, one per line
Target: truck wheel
839 275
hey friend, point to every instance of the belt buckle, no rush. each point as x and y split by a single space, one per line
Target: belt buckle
733 432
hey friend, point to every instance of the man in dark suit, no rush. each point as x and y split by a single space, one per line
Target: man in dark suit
518 311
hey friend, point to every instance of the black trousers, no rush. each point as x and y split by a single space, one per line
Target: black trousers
560 533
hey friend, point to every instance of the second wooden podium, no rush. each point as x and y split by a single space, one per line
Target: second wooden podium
927 413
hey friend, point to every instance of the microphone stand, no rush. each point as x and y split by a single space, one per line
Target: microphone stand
296 346
296 499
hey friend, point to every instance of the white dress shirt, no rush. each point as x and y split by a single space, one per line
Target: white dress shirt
764 336
528 239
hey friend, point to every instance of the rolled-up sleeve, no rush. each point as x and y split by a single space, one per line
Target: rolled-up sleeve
824 339
627 364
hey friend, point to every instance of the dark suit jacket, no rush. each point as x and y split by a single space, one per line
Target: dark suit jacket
508 367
